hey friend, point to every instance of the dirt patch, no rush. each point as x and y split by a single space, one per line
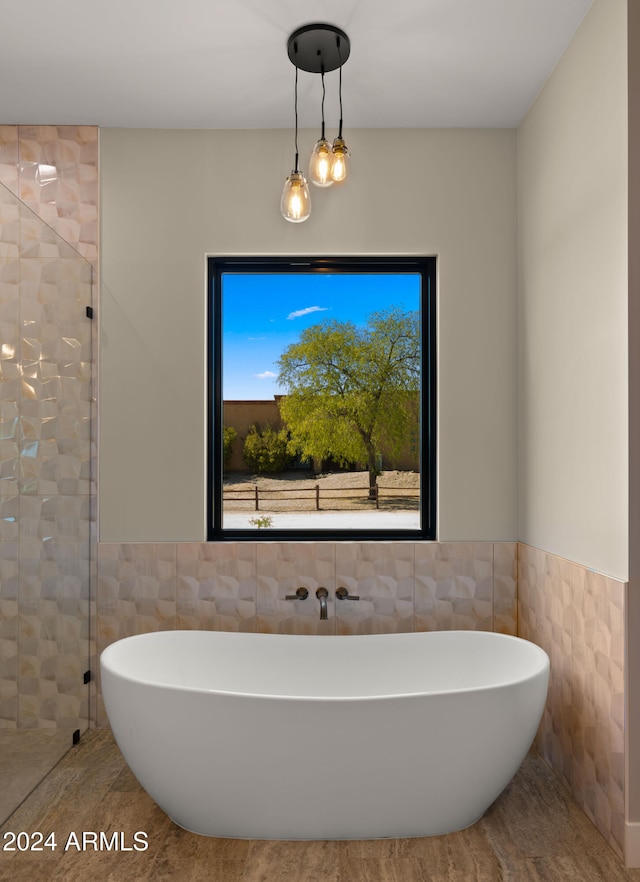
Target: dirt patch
345 491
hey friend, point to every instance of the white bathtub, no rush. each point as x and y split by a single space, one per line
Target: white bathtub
267 736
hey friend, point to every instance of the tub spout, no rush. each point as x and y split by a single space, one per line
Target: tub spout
322 595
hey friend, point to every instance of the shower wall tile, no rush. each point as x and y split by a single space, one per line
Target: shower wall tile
9 304
55 387
9 594
9 518
9 225
55 450
9 432
454 586
216 586
9 157
55 517
89 707
40 241
53 296
53 632
577 616
381 574
9 381
50 283
58 172
282 568
54 171
9 378
47 457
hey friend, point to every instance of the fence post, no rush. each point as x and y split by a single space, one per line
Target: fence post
317 497
256 497
377 496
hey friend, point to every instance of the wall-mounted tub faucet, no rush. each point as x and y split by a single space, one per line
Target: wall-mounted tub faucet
301 594
343 594
322 595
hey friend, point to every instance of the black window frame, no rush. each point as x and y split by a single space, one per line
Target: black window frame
217 266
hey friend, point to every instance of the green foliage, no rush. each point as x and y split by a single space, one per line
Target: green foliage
352 391
266 450
261 521
229 435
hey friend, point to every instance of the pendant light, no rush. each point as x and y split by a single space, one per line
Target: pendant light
339 149
295 204
321 161
316 48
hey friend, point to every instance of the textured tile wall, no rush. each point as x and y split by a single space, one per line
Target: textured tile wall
58 181
281 568
455 586
216 587
9 624
48 226
243 586
577 616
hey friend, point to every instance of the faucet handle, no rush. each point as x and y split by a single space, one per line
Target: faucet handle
343 594
301 594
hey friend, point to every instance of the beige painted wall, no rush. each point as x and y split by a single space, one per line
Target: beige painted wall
572 259
171 197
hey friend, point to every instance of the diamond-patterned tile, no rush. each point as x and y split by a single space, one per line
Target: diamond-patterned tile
454 586
282 568
381 574
577 616
216 586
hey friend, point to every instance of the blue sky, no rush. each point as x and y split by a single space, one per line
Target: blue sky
265 313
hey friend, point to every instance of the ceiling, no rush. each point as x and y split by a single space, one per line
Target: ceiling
224 63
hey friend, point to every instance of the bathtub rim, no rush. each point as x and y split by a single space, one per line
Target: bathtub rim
542 667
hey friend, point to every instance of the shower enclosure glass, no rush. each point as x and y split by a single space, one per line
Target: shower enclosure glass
46 489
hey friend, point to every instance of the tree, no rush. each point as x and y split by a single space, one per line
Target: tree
352 391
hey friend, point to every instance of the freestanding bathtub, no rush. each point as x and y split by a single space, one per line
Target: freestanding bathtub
266 736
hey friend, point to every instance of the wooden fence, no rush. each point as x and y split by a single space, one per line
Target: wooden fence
315 495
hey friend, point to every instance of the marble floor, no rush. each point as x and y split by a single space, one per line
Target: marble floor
26 756
533 833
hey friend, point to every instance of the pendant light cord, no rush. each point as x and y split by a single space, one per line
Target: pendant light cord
340 86
296 115
323 90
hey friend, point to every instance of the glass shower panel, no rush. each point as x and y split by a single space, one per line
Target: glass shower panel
46 489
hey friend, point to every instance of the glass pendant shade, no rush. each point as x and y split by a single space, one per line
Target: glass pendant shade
320 164
339 164
295 204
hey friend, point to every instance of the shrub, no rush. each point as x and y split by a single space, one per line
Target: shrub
265 450
261 522
229 435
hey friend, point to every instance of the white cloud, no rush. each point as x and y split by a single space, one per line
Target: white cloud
306 311
265 375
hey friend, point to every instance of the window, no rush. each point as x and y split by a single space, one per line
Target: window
321 398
